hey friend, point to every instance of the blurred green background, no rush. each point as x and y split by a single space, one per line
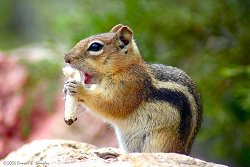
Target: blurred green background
210 40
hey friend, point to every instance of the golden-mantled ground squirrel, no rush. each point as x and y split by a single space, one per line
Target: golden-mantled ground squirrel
153 107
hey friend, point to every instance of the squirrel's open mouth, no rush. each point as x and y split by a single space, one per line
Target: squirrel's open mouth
86 78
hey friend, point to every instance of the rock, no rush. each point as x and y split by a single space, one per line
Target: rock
71 153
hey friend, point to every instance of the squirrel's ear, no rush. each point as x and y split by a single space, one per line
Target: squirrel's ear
116 28
125 35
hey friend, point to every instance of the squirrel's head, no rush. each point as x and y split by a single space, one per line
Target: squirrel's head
104 54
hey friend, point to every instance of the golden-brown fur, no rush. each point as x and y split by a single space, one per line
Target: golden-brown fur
153 108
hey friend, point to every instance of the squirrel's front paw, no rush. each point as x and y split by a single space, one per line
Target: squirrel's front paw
72 87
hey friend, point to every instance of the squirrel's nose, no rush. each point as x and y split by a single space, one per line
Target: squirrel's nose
66 58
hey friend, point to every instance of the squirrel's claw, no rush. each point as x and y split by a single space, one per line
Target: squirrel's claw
71 87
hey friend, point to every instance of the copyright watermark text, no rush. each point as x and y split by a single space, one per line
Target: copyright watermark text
16 163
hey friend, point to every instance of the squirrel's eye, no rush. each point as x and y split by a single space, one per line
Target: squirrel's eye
95 47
